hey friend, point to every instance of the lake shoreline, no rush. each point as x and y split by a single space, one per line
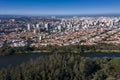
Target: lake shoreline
17 59
49 52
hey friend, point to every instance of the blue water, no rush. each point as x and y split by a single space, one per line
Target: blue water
100 55
14 60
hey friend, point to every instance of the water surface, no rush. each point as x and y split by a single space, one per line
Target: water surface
18 59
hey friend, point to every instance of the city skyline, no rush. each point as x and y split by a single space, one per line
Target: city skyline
61 7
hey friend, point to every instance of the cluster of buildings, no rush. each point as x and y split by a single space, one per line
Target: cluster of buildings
40 32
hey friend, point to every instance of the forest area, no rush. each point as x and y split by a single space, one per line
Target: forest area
64 67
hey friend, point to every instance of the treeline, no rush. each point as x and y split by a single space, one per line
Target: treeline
60 49
82 48
64 67
4 51
65 49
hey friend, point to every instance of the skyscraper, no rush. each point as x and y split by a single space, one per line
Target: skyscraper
59 28
28 27
38 27
46 26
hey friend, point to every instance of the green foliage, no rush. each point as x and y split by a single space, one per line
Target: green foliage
14 50
116 64
63 67
81 48
6 51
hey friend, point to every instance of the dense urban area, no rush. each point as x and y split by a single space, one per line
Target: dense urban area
61 31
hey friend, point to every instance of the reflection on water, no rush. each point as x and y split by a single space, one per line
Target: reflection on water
18 59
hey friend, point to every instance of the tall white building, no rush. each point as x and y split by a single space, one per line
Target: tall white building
38 27
46 26
28 27
40 38
35 31
59 28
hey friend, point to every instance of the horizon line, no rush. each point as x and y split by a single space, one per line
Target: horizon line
98 14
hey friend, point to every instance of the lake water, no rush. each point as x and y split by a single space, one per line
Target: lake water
18 59
100 55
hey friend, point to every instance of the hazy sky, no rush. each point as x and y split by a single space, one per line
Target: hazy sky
49 7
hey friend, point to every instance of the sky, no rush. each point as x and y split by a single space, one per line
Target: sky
59 7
